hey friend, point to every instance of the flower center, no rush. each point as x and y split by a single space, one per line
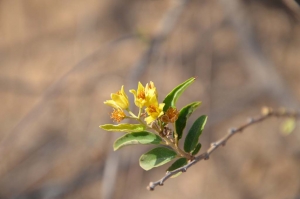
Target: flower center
151 109
141 95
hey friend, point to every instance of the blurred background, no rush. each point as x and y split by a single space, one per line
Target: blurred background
61 59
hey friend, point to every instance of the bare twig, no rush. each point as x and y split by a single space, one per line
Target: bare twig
266 113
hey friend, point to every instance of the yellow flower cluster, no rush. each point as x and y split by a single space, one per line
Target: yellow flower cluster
143 97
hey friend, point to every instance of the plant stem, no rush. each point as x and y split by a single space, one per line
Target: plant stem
177 149
175 136
132 114
140 110
130 117
172 145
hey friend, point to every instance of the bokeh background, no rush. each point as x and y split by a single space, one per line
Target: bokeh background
60 59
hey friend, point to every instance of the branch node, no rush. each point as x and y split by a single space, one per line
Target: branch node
250 120
232 130
266 113
151 186
206 156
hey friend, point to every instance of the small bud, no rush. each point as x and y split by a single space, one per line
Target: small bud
232 130
250 120
213 144
150 188
170 116
206 157
266 110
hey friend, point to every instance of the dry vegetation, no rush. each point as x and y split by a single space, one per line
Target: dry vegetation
61 59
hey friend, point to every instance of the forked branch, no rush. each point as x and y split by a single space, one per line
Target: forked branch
266 113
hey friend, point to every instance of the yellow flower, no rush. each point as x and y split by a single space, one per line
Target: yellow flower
154 110
143 95
119 100
139 95
117 115
150 90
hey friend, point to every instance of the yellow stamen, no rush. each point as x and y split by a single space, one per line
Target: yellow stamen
151 109
117 115
141 95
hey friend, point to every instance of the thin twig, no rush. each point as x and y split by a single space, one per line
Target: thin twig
266 113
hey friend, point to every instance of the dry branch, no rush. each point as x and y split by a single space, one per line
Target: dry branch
266 113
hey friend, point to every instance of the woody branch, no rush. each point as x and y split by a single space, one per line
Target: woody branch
266 113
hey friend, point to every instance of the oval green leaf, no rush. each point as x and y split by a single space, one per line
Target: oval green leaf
157 157
173 96
184 114
177 164
123 127
197 149
194 133
143 137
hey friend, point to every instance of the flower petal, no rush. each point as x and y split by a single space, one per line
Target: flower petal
112 104
119 100
149 119
123 92
139 95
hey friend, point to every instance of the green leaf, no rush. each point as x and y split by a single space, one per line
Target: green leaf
288 126
123 127
143 137
184 114
177 164
156 157
194 133
197 149
173 96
